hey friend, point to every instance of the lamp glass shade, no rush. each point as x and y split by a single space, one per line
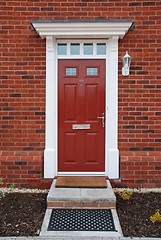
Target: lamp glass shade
126 60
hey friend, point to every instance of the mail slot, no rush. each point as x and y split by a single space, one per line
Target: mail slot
81 126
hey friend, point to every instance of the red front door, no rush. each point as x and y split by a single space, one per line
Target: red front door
81 134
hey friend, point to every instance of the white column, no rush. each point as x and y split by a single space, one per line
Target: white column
50 152
112 152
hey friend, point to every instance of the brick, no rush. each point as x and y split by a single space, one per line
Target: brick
21 163
107 204
71 204
55 204
90 204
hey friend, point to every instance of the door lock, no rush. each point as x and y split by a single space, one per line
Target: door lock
103 119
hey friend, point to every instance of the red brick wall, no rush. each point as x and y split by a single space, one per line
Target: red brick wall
22 94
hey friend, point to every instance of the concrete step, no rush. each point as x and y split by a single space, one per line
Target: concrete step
102 198
81 198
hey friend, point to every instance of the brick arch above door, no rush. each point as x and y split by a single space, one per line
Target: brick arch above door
111 31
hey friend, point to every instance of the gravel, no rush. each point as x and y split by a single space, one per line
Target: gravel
4 191
138 190
26 190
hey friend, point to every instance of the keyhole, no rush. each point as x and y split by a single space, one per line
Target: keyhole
81 82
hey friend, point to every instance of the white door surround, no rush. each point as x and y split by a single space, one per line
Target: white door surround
109 31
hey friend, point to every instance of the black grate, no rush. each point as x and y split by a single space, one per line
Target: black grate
81 220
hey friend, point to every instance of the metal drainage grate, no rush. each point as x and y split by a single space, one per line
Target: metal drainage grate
81 220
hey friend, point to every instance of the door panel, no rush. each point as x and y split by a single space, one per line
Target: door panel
81 99
70 92
91 148
91 95
70 147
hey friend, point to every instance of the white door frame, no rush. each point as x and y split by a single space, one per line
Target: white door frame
54 30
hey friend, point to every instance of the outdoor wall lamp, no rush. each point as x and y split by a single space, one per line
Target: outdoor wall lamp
126 60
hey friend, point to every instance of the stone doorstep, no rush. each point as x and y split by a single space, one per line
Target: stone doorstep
81 197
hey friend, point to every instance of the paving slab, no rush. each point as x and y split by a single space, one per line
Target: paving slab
97 194
62 194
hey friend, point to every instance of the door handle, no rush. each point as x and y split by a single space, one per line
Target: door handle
103 119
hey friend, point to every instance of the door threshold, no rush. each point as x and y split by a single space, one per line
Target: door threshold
81 174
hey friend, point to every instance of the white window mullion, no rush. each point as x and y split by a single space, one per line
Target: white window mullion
68 48
95 48
81 48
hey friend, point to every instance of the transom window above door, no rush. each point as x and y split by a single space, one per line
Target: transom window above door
85 48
